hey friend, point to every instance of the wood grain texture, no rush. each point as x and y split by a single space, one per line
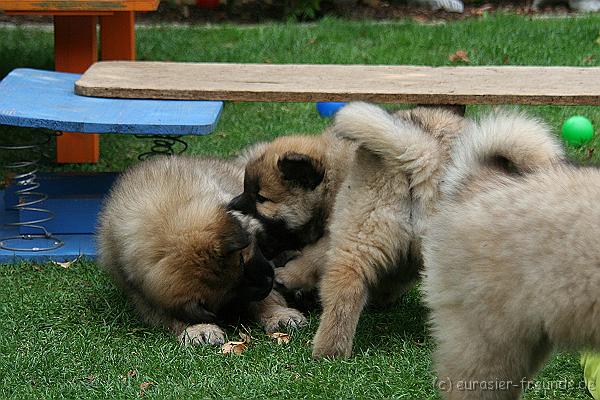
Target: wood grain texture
377 83
60 13
33 6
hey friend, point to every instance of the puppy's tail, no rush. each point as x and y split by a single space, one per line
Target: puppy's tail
509 140
400 142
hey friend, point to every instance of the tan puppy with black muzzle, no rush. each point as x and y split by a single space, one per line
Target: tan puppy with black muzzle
290 187
186 261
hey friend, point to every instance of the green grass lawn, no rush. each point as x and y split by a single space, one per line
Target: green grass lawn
67 333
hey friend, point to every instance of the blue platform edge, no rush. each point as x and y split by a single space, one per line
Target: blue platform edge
74 245
75 199
46 99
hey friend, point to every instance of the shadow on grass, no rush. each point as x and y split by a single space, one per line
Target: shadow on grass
404 322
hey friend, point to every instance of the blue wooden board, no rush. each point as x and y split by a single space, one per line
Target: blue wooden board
45 99
74 245
75 198
71 216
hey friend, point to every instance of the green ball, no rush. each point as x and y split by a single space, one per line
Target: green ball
577 130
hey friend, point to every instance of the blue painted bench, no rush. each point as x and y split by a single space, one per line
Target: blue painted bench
45 99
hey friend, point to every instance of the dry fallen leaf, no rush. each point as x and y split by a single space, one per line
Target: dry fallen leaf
237 347
131 373
282 338
420 19
459 55
144 386
66 264
233 347
479 11
246 338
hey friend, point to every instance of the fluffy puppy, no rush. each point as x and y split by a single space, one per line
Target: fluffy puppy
511 260
367 205
168 240
374 248
290 186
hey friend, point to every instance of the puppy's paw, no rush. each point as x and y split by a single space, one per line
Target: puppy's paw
330 347
294 277
284 257
283 318
199 334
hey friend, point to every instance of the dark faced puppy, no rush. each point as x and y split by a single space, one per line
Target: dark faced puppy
290 188
255 284
299 173
185 260
221 276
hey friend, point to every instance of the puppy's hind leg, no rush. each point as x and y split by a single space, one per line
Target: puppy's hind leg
353 268
472 364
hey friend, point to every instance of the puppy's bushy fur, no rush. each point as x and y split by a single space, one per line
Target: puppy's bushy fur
511 259
366 201
290 187
168 240
379 215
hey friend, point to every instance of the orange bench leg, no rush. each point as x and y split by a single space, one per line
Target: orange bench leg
75 49
117 36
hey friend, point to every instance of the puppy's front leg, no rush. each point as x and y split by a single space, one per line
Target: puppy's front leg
344 293
304 271
198 334
354 265
274 314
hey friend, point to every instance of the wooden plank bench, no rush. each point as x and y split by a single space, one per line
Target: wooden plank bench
376 83
76 48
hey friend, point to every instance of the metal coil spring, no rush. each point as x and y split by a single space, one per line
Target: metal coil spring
29 199
162 145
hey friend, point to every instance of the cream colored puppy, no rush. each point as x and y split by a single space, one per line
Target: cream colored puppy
512 263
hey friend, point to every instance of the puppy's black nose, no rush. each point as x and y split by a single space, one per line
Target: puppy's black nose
267 287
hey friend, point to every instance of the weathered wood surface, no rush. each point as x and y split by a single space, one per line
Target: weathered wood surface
46 6
377 83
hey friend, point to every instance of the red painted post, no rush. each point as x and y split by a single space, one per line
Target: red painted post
75 49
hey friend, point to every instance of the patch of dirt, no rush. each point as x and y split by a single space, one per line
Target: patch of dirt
260 11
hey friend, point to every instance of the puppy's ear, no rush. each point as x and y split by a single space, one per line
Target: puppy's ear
301 170
234 236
